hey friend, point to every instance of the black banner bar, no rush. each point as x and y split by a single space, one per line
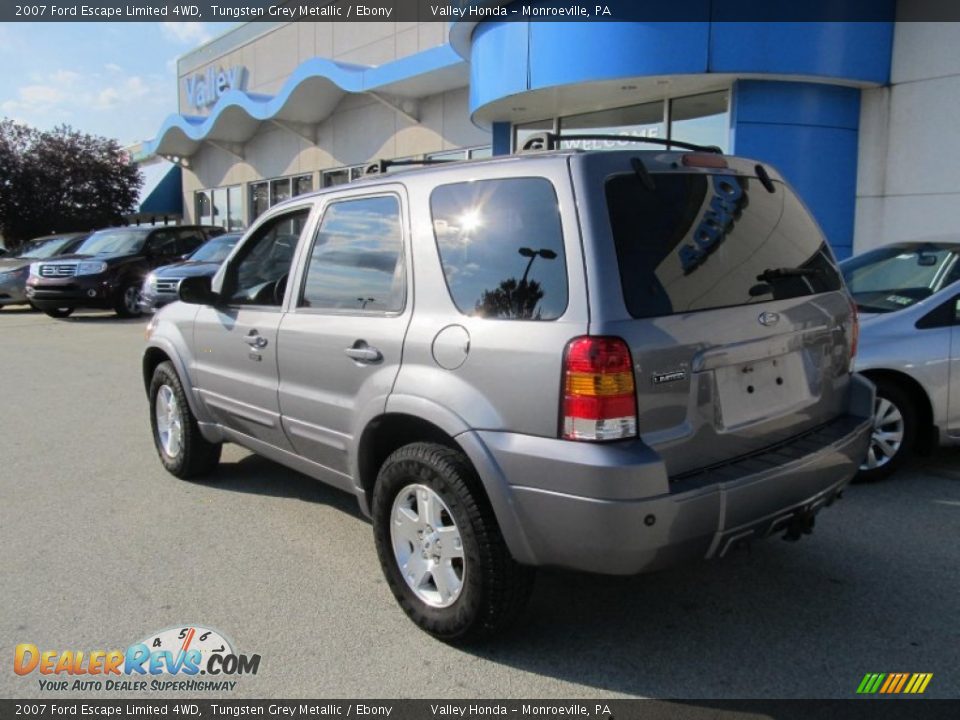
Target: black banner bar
479 11
887 709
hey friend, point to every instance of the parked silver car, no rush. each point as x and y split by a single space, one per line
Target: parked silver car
908 296
15 266
605 361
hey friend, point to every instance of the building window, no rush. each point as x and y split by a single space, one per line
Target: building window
203 207
702 119
461 154
279 190
259 199
219 203
303 184
340 176
522 132
234 208
267 193
640 120
220 206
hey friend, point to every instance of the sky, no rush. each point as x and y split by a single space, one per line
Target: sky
113 79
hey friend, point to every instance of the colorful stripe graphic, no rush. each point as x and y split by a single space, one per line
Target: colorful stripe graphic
894 683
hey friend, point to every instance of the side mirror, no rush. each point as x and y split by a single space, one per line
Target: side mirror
196 291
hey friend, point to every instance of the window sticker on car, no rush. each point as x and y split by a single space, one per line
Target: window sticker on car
899 300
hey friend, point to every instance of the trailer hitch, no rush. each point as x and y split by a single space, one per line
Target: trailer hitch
801 524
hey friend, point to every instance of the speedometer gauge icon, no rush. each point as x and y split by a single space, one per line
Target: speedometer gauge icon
184 638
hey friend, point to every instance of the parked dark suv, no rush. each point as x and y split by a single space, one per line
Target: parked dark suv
160 287
108 269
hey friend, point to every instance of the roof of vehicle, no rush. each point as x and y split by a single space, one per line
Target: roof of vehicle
659 160
936 242
151 228
52 236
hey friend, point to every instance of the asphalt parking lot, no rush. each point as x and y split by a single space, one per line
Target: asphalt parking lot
101 548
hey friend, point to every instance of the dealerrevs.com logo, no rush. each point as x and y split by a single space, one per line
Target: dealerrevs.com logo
170 660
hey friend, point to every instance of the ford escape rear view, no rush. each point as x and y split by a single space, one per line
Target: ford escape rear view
605 361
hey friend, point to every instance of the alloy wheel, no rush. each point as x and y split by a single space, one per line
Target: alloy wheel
886 437
427 545
131 300
169 421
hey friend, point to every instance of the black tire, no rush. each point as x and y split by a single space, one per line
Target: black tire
906 405
59 313
127 302
495 588
196 456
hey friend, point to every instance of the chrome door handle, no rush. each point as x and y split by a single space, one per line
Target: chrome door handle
256 340
363 353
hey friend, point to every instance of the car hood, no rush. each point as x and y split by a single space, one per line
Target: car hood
187 269
106 257
8 264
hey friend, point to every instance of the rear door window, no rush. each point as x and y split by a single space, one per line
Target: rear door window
501 248
698 241
356 262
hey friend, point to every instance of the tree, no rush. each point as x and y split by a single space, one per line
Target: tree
511 300
61 181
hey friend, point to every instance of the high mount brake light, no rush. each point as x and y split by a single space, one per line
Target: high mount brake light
704 160
599 395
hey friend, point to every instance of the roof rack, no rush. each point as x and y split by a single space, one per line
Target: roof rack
379 167
545 141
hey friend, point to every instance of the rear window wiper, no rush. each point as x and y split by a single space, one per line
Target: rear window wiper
785 272
643 175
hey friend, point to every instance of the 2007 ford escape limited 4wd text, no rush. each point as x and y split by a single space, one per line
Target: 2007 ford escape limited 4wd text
605 361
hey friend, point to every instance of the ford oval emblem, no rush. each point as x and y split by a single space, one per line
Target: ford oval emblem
769 318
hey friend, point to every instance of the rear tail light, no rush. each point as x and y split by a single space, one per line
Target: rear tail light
599 396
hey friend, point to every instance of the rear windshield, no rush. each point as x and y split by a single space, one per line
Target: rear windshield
699 242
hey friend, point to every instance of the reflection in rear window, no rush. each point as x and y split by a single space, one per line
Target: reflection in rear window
699 242
897 276
501 248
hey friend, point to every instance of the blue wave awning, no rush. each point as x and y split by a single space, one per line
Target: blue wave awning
309 96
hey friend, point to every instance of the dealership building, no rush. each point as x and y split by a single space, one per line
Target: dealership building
860 116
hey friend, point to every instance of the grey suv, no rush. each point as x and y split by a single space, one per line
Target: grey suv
605 361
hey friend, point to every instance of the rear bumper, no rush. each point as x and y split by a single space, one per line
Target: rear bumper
612 509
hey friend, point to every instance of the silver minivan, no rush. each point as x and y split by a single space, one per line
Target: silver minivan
604 361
